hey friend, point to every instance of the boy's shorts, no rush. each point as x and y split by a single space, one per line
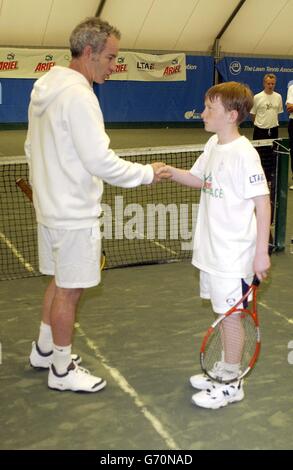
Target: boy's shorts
72 256
223 293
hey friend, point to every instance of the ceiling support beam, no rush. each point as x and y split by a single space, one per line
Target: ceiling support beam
100 8
216 46
216 51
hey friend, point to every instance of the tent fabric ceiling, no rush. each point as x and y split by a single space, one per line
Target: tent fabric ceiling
260 27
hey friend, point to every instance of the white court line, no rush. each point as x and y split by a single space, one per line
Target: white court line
129 390
275 312
17 254
160 245
165 248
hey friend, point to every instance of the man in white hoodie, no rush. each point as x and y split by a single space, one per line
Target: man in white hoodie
66 147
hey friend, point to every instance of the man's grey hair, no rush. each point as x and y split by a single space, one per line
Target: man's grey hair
92 32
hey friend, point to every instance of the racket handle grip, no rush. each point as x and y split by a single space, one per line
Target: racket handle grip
25 187
256 281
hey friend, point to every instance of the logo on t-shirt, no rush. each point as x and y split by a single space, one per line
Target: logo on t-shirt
209 188
256 179
231 301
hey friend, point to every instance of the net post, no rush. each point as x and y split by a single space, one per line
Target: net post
281 196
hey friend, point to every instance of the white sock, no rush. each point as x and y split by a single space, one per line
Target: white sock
232 369
45 341
61 358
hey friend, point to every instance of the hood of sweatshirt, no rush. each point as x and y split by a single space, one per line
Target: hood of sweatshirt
50 85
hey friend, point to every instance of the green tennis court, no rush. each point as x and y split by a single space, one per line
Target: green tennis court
141 329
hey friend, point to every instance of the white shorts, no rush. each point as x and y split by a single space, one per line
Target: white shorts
222 292
72 256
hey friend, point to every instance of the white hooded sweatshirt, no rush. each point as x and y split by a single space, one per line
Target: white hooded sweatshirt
66 147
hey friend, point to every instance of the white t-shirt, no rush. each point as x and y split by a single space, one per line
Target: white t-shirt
290 98
225 236
266 109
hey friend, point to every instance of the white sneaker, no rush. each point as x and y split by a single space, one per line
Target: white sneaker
76 379
40 360
219 395
291 187
204 382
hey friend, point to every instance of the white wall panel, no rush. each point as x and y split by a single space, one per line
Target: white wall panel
128 16
262 27
206 21
278 38
252 29
163 24
64 16
23 23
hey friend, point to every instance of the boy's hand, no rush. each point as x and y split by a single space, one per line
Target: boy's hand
261 265
161 171
165 172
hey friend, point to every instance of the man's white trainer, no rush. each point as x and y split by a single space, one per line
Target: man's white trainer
40 360
203 381
76 379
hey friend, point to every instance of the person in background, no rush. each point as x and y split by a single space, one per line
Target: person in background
69 157
267 105
289 106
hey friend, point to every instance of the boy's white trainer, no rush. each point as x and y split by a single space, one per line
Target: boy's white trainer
219 395
203 381
76 379
40 360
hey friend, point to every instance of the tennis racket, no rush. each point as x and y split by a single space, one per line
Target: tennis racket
231 345
25 187
27 190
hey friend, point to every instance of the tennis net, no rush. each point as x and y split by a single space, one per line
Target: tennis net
144 225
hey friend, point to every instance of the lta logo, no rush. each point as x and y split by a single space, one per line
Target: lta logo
235 67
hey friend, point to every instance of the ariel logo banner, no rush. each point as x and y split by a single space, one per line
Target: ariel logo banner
150 67
32 63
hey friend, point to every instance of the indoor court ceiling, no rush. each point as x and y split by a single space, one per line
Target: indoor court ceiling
247 27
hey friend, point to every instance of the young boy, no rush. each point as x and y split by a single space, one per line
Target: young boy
232 231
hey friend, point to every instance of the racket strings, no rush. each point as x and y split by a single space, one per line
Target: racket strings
232 344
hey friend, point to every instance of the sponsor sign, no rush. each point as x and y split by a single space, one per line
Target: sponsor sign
150 67
32 63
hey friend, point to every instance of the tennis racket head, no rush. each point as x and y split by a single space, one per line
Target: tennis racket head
234 338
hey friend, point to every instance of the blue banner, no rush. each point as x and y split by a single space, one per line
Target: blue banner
252 70
15 96
129 101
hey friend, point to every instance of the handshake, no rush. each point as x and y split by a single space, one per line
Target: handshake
161 171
